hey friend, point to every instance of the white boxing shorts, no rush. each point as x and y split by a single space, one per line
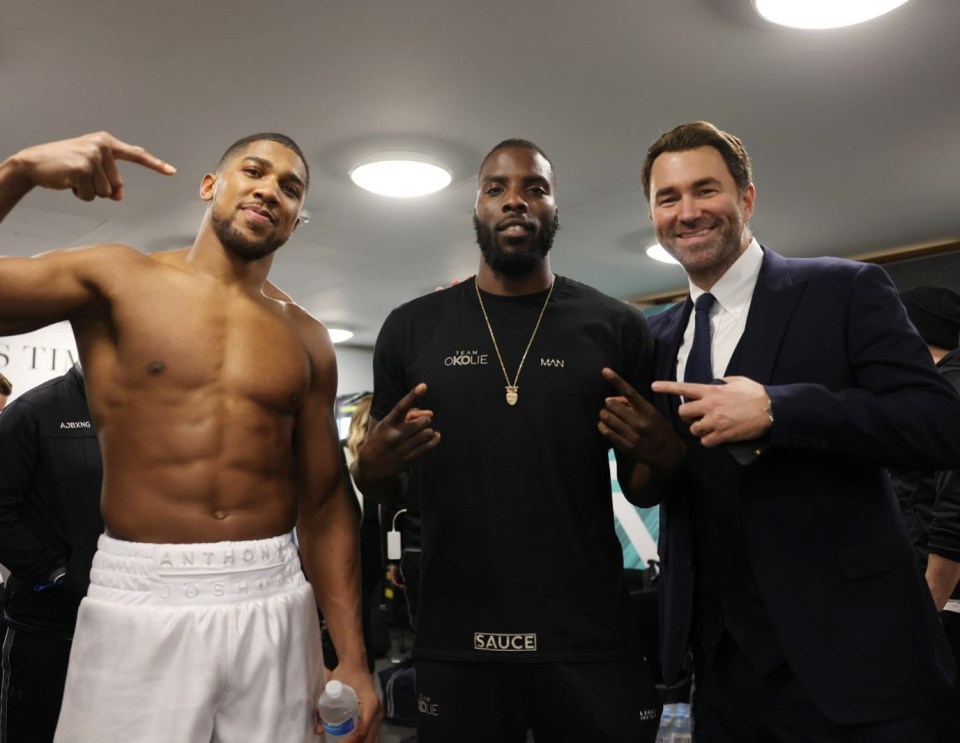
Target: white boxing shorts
183 643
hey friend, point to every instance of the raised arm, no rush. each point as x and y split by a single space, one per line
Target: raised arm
55 286
87 165
58 285
327 528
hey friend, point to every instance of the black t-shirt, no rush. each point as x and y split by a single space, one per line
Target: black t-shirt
520 557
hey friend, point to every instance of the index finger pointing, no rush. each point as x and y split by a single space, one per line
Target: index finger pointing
622 386
136 154
407 403
689 391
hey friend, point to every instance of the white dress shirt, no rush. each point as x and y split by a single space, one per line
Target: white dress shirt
728 316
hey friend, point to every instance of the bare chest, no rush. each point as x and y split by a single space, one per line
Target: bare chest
192 340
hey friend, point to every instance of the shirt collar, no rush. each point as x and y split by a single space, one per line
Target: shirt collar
734 289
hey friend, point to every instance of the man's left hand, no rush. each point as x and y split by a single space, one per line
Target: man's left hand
738 410
635 428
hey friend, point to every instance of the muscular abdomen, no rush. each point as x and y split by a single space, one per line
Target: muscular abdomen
195 407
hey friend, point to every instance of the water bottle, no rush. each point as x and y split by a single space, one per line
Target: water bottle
339 710
682 729
665 733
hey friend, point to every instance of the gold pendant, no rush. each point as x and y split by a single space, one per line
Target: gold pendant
511 395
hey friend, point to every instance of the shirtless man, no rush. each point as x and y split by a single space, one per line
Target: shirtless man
212 394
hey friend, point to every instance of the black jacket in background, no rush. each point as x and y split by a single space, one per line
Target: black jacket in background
931 499
50 478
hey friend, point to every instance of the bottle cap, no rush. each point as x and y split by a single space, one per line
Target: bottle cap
334 688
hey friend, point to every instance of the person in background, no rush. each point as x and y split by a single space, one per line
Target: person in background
6 389
785 562
50 478
930 498
371 554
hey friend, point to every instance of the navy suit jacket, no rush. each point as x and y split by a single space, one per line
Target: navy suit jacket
853 390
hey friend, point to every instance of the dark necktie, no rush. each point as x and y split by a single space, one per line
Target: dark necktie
699 368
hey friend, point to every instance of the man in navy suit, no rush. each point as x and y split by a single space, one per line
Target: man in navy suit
786 565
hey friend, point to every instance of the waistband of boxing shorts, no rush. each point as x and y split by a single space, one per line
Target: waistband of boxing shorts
137 573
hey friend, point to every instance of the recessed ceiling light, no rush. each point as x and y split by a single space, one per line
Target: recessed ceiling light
823 13
339 335
401 175
657 252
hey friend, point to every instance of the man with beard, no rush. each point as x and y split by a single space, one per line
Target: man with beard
199 623
499 399
785 561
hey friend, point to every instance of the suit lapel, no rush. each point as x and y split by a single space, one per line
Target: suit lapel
669 336
669 339
774 300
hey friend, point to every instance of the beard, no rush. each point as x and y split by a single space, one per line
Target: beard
717 255
515 263
241 245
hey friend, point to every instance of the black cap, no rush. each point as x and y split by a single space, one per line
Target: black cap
935 311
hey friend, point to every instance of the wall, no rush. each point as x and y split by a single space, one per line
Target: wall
29 359
354 369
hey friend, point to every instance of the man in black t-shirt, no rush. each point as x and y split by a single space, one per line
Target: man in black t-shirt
496 402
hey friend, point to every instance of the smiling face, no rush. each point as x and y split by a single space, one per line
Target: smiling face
515 216
699 215
256 196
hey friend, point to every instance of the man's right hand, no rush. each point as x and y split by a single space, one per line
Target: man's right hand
87 165
403 436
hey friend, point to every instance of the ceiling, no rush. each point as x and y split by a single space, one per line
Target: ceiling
854 133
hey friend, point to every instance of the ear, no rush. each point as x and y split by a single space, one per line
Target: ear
295 225
208 187
748 199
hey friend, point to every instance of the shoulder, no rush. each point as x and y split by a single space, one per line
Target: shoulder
309 327
45 393
66 386
665 316
595 300
112 252
435 300
422 313
311 332
823 268
91 258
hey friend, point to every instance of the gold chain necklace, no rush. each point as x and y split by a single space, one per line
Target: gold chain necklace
512 389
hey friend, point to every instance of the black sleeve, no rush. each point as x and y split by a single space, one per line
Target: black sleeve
389 377
21 551
639 355
944 538
637 347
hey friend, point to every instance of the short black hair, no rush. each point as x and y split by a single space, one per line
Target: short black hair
283 139
524 144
